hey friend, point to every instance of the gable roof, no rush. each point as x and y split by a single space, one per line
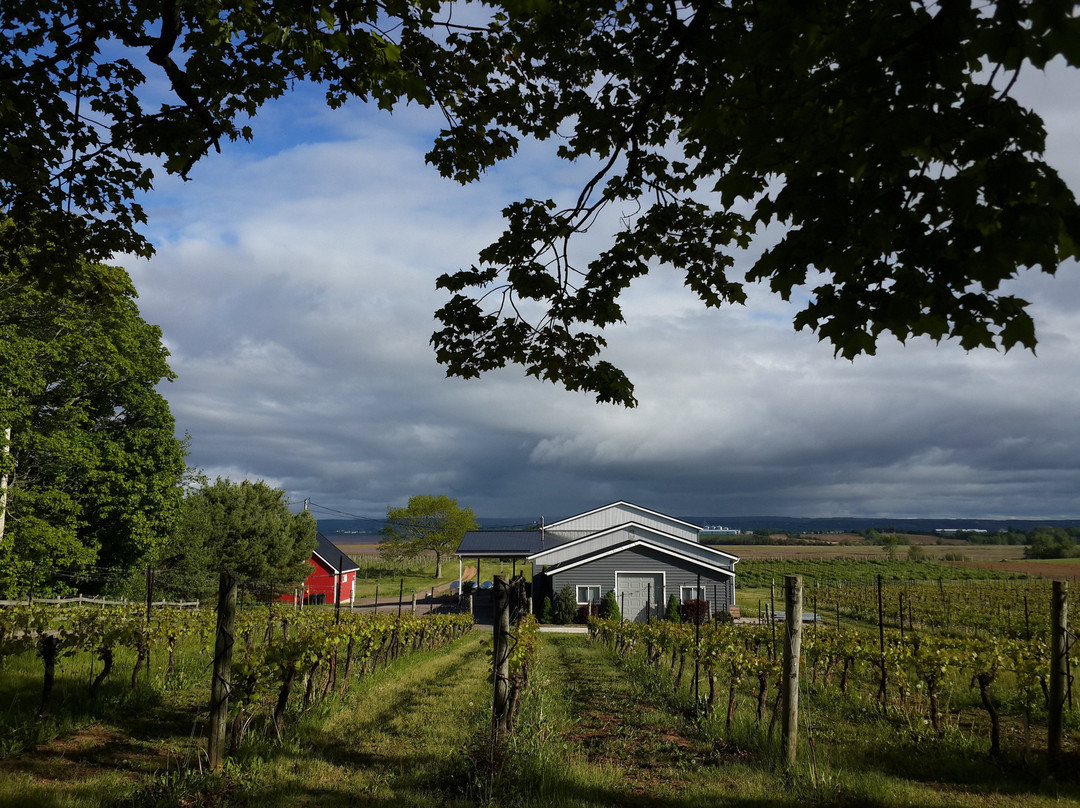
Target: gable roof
601 541
619 548
630 509
331 555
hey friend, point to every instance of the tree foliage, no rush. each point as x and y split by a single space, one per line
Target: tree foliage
428 524
1052 542
878 137
90 89
93 466
878 134
246 528
566 608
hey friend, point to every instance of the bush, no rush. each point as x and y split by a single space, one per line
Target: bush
587 611
609 607
673 612
547 611
566 606
695 611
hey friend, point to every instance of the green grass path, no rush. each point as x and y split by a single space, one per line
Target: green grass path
394 742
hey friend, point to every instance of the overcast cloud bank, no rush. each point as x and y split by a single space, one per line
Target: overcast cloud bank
294 282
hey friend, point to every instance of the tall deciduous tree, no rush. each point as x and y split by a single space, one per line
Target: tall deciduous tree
246 528
92 465
877 136
428 524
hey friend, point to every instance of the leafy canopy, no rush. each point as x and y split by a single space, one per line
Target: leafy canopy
428 524
246 528
879 135
93 465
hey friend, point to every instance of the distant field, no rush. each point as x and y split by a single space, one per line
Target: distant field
366 546
967 552
1059 568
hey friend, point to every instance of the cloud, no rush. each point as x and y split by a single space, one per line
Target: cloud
294 282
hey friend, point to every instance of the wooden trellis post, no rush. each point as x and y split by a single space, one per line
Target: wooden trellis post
789 726
1059 645
221 683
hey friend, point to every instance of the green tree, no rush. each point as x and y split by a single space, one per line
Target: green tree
673 612
566 607
1051 542
428 524
878 135
246 528
889 543
91 462
609 606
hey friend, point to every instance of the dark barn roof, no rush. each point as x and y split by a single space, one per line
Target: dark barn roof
501 543
332 555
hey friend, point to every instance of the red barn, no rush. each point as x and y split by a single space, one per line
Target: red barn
329 566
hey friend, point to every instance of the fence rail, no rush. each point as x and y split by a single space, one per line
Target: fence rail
79 599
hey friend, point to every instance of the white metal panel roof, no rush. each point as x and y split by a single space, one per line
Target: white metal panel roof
605 539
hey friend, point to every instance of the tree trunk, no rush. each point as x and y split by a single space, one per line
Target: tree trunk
309 691
49 650
287 680
679 675
984 680
935 711
141 649
730 704
172 656
711 673
106 657
348 663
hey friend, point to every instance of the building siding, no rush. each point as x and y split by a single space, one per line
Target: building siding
677 573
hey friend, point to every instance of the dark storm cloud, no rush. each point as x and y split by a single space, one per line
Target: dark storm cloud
296 293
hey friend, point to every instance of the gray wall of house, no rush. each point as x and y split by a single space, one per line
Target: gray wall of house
719 588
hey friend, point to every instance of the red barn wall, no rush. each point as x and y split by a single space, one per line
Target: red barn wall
323 581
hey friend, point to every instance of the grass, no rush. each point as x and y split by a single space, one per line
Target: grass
594 731
622 738
390 578
394 739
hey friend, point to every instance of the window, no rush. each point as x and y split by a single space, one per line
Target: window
692 593
588 594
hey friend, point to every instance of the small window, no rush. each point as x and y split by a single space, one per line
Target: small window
692 593
588 594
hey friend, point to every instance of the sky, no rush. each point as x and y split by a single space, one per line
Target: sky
294 281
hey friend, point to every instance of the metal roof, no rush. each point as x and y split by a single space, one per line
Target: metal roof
332 555
501 543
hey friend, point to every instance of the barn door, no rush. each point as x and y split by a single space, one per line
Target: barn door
633 591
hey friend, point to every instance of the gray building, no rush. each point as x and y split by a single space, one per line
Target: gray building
642 556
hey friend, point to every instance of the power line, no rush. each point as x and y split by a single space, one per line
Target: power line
346 513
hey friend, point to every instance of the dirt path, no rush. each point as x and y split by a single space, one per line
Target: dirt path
652 750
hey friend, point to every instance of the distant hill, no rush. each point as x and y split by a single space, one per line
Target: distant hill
793 524
796 524
332 528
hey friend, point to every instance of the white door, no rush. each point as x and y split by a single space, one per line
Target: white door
639 594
